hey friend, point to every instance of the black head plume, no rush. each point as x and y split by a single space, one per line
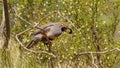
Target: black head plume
64 29
70 30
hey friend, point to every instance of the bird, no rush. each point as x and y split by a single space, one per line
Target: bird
47 33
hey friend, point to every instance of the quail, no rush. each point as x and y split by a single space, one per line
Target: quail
48 32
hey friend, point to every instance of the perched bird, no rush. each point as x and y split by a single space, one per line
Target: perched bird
48 32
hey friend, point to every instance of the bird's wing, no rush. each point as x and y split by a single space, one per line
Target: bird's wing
47 25
45 28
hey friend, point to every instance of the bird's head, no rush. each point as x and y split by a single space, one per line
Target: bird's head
64 27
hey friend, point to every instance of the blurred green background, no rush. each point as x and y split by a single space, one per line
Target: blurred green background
95 25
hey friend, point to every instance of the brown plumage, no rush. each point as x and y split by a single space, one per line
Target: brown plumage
47 32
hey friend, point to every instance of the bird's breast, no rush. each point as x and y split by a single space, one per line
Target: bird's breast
53 35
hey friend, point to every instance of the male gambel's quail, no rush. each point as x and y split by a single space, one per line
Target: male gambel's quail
47 32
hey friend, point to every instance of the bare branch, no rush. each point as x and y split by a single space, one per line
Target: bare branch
107 51
23 19
24 31
93 61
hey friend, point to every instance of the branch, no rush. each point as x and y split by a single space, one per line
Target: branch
35 24
24 31
23 19
93 61
107 51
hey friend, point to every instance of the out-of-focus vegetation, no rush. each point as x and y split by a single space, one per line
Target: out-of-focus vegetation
95 25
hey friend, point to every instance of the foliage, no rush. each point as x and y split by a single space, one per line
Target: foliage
94 23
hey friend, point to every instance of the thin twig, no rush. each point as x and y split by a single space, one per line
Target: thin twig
66 18
24 31
23 19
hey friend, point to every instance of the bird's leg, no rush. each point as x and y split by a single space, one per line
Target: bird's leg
49 46
51 58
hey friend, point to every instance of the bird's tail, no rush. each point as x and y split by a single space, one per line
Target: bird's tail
30 44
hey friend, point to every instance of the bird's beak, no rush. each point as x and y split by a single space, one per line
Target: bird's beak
70 30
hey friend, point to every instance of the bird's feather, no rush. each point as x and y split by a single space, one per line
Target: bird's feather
48 32
44 29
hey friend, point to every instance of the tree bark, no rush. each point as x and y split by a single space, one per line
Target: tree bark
2 28
7 24
4 38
